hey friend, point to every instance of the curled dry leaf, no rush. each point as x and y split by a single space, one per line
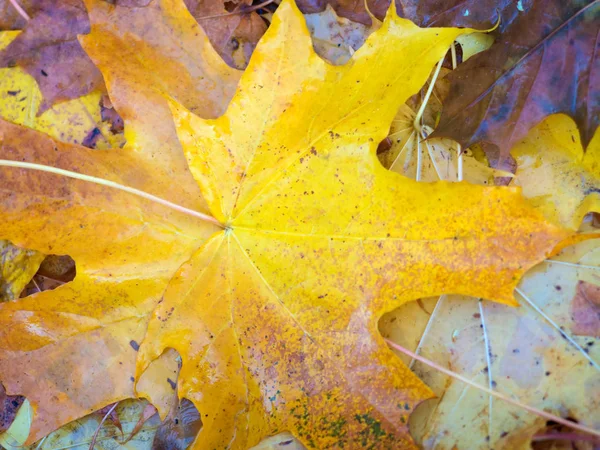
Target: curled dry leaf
556 173
49 51
233 32
546 62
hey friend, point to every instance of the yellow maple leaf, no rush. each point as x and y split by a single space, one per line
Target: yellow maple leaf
273 306
561 179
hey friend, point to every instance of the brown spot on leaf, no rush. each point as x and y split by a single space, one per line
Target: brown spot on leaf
585 310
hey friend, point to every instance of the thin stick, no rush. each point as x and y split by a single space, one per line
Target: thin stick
496 394
458 146
557 328
428 94
36 285
111 184
241 11
419 161
565 263
93 443
488 360
563 437
427 328
20 10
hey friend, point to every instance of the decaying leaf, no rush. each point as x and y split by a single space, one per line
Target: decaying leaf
274 311
48 50
71 121
434 159
10 18
179 429
78 434
521 352
9 405
546 62
336 38
426 13
585 309
234 33
17 267
556 174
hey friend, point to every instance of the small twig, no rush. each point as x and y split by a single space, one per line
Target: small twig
20 10
531 409
459 170
240 11
563 437
428 94
93 443
36 285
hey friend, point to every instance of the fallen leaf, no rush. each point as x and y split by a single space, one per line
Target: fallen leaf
429 13
9 405
434 159
48 50
336 38
179 429
474 43
78 434
288 346
14 437
93 325
17 267
560 178
146 53
69 121
585 308
522 352
10 18
546 62
234 33
276 191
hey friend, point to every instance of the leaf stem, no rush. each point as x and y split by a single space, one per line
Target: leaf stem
111 184
496 394
428 94
20 10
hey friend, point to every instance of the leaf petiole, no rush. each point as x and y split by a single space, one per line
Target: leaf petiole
111 184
